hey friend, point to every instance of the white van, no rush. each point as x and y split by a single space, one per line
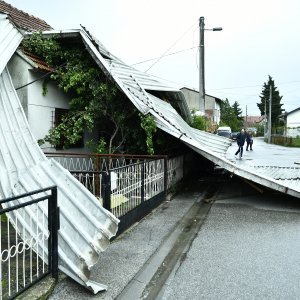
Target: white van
224 131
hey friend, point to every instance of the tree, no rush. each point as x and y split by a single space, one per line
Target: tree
276 109
229 117
198 122
96 103
238 112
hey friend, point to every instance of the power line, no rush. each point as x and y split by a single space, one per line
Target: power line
179 51
247 86
164 54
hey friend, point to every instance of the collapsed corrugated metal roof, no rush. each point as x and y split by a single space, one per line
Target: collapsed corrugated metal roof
137 87
10 39
85 226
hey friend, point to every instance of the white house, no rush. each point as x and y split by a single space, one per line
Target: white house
42 109
292 123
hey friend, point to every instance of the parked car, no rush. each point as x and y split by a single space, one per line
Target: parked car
224 133
234 135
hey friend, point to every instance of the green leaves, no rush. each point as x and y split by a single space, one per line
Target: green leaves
95 102
149 125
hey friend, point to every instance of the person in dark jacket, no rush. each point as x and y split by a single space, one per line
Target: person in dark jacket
240 140
249 140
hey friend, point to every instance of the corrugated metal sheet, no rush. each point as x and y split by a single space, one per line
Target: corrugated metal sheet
167 119
85 227
135 86
10 38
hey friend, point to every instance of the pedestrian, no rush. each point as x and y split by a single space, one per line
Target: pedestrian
240 140
249 140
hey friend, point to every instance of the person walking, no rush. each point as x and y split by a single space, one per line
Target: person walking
249 140
240 140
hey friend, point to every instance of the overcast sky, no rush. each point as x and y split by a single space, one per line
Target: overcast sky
259 38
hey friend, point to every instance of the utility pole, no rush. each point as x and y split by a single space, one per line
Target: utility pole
201 62
270 119
201 65
246 117
265 121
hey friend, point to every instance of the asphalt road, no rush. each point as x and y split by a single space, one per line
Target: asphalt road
248 248
237 244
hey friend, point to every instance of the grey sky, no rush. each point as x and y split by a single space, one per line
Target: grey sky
259 38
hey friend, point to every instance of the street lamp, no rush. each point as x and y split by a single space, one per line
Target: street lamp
201 61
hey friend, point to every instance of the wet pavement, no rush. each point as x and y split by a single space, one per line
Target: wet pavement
248 248
232 243
264 154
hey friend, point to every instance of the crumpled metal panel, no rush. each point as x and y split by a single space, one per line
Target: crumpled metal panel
279 173
167 119
147 81
10 38
85 226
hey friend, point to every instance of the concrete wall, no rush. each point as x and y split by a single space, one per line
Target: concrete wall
212 106
192 99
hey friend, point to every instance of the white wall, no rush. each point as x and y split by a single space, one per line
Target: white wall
41 109
293 124
38 109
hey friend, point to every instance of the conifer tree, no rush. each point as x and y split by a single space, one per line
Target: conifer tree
276 108
238 112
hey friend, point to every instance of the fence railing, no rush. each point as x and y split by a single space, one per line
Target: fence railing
29 226
128 186
285 141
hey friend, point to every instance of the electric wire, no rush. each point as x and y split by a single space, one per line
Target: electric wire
179 51
171 47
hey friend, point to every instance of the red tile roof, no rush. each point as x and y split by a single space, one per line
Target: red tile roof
23 19
253 119
39 62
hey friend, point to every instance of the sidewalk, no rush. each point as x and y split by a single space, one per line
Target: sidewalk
128 253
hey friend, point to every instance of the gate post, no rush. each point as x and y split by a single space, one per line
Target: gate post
143 182
165 175
106 190
53 226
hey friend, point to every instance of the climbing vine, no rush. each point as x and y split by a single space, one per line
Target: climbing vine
148 124
96 104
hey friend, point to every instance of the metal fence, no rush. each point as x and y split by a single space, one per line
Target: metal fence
128 186
29 226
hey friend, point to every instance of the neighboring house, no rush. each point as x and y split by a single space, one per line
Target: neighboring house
213 108
292 123
252 121
212 104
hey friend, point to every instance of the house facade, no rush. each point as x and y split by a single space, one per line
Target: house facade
212 104
41 109
292 123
